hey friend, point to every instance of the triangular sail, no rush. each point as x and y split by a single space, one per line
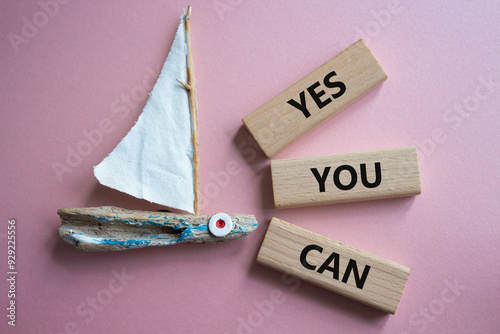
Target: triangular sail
155 159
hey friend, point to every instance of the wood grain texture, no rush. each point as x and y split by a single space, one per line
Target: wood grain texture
295 183
109 228
277 123
284 244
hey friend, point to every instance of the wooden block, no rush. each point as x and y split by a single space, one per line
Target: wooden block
334 266
316 97
345 177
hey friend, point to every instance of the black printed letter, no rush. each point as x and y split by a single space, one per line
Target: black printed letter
352 265
316 95
321 179
335 269
378 176
302 105
334 84
304 254
336 177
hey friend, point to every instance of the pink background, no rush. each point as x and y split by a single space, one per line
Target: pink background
81 65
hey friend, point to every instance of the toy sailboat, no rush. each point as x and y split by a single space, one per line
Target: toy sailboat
157 161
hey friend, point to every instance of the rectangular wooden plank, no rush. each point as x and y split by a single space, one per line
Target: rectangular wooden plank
316 97
334 266
345 177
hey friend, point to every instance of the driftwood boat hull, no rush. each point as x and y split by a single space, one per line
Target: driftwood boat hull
109 228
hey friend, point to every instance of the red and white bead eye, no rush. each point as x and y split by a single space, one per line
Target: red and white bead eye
220 224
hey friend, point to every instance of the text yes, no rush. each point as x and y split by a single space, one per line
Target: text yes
316 95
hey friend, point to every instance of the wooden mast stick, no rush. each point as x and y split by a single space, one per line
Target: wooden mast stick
191 87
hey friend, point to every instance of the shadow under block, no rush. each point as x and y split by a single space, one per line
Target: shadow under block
345 177
334 266
316 97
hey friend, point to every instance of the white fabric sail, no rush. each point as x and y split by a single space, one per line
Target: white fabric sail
155 159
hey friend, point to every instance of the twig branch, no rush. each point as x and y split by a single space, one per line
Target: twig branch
191 87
